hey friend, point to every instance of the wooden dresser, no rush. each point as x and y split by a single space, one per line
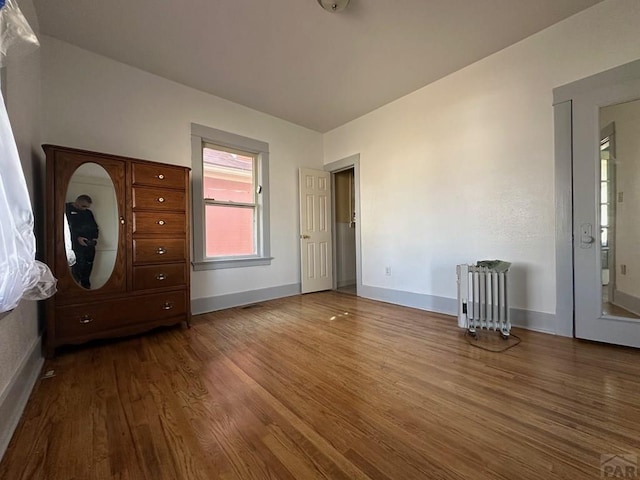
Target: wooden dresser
140 277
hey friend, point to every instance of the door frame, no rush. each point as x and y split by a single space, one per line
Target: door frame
352 161
563 98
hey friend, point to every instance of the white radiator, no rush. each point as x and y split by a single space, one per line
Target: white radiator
482 299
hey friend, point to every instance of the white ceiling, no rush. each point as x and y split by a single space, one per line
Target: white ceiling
292 59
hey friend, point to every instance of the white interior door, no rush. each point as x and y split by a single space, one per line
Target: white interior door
315 231
597 316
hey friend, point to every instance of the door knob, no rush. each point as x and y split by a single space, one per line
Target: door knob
305 237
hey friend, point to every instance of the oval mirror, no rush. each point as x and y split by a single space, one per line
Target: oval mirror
91 226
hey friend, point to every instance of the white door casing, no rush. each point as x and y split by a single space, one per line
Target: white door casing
590 322
316 258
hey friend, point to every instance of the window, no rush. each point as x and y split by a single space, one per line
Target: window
230 199
607 203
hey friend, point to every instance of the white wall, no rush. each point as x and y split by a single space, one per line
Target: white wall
462 169
94 103
19 331
458 171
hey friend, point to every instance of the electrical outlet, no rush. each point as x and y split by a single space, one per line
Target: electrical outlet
387 271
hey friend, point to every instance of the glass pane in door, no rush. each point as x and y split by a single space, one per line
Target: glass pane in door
619 203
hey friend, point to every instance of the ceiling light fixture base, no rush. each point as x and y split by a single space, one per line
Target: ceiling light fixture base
333 5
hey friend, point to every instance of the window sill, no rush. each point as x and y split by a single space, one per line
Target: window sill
231 263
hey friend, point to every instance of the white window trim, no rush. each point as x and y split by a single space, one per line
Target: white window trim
200 135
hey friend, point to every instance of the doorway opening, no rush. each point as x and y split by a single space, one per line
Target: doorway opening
346 224
344 227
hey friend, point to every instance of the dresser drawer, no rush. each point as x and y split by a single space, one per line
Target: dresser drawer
158 175
159 222
152 250
90 319
157 276
158 199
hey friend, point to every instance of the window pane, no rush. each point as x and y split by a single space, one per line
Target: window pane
604 237
604 192
228 177
604 170
229 231
604 215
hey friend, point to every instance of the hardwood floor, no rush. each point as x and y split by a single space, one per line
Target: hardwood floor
333 386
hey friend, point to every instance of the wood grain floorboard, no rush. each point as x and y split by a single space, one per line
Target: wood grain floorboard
328 386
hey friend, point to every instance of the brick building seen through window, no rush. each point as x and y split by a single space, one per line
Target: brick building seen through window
230 199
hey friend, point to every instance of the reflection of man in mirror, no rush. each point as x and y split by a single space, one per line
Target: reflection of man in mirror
84 235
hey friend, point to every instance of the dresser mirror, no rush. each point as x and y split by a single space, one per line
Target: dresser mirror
91 226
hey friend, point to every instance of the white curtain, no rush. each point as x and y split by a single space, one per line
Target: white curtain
21 275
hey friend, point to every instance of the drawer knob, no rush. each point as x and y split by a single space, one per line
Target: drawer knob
160 177
161 276
160 222
121 220
86 319
161 199
167 306
161 251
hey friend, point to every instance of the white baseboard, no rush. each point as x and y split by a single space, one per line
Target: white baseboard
530 320
536 321
431 303
14 398
220 302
